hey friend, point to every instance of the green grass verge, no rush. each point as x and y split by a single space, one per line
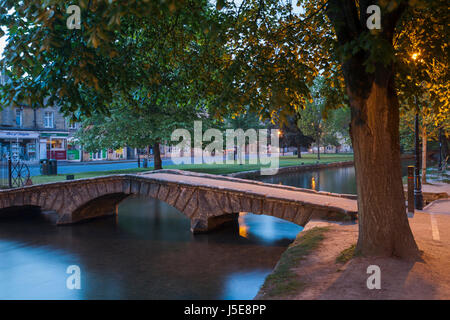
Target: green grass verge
346 254
206 168
283 280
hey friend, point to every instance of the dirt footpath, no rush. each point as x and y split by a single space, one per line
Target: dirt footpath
428 279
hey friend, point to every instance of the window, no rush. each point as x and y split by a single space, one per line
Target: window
56 144
48 119
19 114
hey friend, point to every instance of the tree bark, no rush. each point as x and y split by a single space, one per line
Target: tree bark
383 223
424 155
157 156
318 148
299 150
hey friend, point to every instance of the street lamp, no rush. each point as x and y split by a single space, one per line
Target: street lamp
418 198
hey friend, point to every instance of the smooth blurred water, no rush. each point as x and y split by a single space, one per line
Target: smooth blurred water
338 180
146 252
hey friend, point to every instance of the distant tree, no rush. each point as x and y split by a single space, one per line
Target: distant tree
292 135
245 120
339 123
149 125
311 123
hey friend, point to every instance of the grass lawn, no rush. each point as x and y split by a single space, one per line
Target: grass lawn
207 168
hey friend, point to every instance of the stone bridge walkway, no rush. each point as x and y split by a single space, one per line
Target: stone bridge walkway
208 200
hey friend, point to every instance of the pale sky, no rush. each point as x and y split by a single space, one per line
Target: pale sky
2 43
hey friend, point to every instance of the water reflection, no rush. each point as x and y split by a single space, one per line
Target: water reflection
241 285
29 271
146 252
268 230
338 180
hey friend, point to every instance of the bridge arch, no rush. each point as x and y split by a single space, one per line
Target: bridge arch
207 205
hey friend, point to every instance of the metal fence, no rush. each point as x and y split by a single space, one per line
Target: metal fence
13 174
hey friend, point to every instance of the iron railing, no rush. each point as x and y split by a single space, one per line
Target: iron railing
13 174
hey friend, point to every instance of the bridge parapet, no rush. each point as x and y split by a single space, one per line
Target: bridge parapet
207 200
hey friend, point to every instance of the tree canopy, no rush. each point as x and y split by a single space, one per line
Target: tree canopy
261 54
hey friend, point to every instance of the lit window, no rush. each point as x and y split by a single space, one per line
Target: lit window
19 114
48 119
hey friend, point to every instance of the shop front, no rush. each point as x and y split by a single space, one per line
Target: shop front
54 145
19 145
73 150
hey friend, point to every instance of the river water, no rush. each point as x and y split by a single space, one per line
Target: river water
148 252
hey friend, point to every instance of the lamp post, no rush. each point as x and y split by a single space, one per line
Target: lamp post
280 135
418 197
440 150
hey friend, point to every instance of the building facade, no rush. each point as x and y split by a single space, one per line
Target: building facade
34 134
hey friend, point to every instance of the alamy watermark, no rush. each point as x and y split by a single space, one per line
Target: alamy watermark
233 145
74 20
374 280
74 280
374 20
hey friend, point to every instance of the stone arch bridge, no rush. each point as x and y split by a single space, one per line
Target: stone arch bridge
208 200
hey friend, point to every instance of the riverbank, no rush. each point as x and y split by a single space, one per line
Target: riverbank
331 272
222 169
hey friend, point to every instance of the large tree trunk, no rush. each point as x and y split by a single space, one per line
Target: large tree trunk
424 155
157 156
383 223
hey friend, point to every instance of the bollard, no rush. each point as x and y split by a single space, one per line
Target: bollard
410 189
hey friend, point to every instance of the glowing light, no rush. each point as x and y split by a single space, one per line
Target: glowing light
415 55
313 183
243 231
243 228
